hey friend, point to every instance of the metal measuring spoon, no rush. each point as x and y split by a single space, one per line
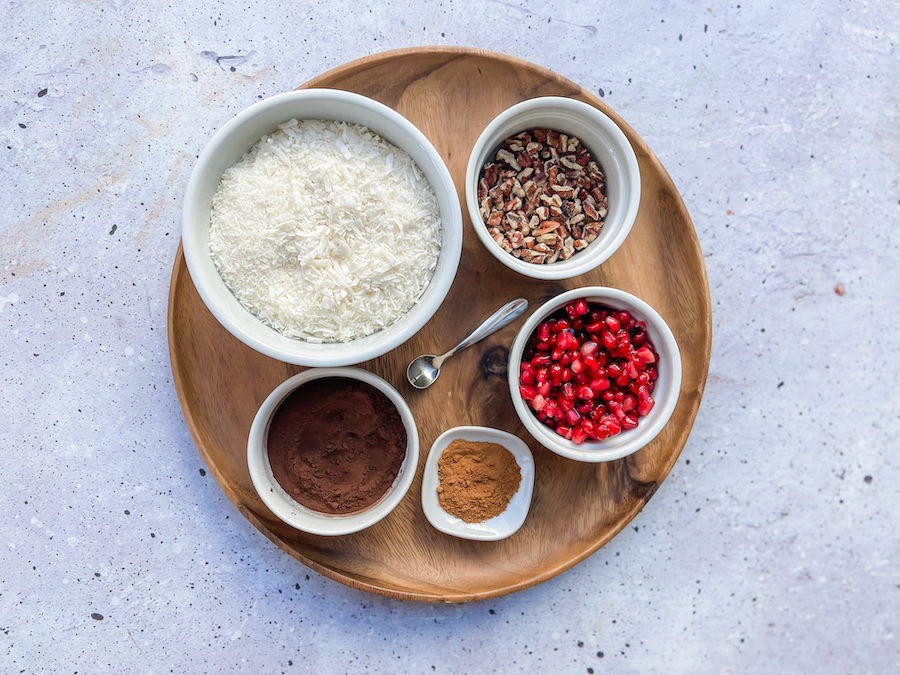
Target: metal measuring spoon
424 370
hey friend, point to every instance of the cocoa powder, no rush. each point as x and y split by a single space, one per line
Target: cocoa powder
477 480
336 445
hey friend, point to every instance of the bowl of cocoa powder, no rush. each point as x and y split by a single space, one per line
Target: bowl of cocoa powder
333 450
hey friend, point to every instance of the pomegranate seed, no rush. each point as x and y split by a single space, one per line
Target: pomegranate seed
645 404
631 370
562 430
579 435
565 404
550 408
614 427
630 422
581 378
526 377
614 370
560 326
577 366
568 390
584 408
556 374
572 416
543 332
623 316
613 324
588 426
538 402
556 354
599 385
528 393
593 317
589 348
623 380
566 374
585 392
565 359
580 306
541 360
595 327
542 346
609 340
608 396
543 388
541 374
645 355
598 412
601 432
629 403
578 324
616 409
639 334
590 365
652 373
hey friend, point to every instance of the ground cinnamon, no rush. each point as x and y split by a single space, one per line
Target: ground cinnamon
477 480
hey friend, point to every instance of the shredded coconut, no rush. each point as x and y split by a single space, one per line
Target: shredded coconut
325 231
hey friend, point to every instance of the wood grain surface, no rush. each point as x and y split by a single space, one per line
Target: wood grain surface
451 94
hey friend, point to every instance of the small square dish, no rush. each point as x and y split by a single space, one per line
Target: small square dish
493 529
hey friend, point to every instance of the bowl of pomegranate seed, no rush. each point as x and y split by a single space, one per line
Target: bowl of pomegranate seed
552 187
595 374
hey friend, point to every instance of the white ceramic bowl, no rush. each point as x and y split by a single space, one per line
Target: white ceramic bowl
608 145
493 529
236 138
297 515
665 393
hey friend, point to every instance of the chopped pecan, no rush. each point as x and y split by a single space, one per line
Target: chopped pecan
516 221
513 204
547 226
532 257
509 158
563 191
590 233
569 162
517 240
503 242
542 196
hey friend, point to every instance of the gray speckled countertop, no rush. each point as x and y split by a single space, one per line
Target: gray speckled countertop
771 547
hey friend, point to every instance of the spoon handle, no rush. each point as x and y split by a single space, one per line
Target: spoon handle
503 316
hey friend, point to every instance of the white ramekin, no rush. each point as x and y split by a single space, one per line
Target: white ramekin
608 145
665 392
297 515
235 139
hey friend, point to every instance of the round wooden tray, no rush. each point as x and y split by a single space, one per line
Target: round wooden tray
451 94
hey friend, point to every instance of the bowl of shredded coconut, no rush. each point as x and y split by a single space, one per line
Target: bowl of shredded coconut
321 228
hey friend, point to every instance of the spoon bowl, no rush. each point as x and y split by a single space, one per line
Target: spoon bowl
421 372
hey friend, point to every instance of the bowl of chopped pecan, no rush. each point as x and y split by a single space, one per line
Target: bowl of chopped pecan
552 187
